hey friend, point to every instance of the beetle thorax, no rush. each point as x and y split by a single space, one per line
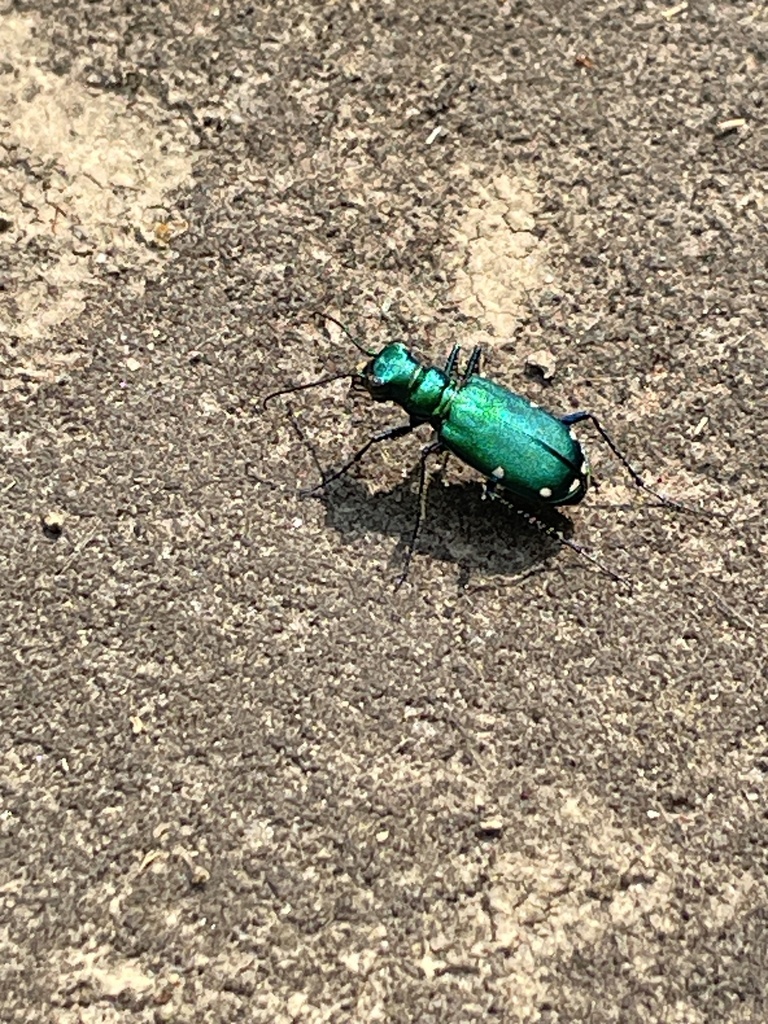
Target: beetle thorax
394 375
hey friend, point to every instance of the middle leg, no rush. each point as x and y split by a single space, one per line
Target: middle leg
432 449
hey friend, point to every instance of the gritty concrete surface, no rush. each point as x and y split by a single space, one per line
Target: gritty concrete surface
242 778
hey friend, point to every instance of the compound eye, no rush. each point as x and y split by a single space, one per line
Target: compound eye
368 371
372 380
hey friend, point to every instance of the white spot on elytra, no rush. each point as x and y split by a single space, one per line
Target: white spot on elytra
535 405
584 468
572 432
575 484
498 473
546 492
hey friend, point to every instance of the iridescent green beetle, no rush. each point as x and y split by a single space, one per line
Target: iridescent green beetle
516 445
523 451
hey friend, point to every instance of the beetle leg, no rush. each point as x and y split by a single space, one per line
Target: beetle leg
582 551
450 363
489 488
431 449
578 417
386 435
532 520
441 470
472 367
473 364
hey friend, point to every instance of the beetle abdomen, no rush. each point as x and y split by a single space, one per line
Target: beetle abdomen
506 438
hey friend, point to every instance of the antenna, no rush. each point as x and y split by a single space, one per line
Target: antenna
352 338
303 387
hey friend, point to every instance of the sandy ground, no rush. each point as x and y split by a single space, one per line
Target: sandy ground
242 778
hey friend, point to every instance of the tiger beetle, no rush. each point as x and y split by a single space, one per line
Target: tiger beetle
525 453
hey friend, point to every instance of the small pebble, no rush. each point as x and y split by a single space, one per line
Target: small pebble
541 364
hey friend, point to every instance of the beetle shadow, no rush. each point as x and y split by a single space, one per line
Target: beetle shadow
461 526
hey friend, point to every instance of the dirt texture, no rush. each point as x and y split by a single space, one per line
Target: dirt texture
243 778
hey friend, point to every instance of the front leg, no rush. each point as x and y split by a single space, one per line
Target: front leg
386 435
